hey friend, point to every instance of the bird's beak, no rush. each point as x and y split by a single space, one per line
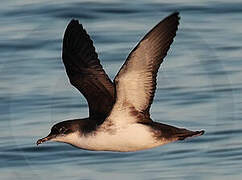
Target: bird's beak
47 138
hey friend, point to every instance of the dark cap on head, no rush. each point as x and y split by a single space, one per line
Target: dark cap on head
60 129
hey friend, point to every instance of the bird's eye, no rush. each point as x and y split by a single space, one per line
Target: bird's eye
62 130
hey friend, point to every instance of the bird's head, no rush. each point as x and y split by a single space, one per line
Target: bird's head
61 132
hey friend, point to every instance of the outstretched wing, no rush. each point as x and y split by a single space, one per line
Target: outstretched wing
85 71
136 80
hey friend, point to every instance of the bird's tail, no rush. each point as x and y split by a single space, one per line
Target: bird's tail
184 133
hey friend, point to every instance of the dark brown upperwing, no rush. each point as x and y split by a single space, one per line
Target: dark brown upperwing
85 71
136 80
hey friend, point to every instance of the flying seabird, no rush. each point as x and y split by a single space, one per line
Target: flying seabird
119 117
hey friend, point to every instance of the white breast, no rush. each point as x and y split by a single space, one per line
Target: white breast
133 137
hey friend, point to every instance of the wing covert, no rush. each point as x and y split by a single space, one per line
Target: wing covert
136 80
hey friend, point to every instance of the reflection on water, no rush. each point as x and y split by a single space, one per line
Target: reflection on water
199 87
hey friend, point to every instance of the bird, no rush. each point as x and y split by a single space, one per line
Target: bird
119 110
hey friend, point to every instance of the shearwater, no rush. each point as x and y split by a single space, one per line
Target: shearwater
119 118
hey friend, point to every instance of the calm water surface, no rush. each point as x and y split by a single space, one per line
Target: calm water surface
199 87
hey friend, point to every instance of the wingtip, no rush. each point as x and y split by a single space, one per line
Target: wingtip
73 22
176 14
70 35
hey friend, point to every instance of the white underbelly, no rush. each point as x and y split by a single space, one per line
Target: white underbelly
133 137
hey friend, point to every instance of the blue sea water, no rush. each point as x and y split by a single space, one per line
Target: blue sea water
199 87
